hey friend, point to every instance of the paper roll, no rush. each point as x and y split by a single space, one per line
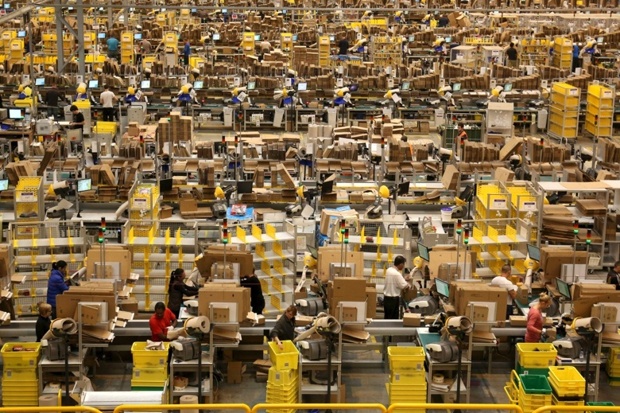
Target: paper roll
63 326
48 400
188 399
200 324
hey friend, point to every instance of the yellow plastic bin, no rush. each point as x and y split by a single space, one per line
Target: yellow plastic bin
143 358
566 381
286 359
16 355
406 358
536 354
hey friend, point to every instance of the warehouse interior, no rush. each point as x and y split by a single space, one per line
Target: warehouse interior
310 201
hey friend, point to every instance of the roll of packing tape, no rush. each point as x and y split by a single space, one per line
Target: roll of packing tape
201 324
189 399
48 400
438 378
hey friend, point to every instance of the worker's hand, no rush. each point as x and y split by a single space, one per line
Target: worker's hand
543 331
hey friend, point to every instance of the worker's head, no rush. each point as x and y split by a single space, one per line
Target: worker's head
178 274
131 90
291 312
399 262
60 266
45 309
106 87
506 271
617 266
461 126
160 309
512 44
544 300
74 109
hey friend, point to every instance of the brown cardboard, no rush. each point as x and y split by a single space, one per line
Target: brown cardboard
332 255
518 321
91 313
129 304
552 259
371 302
224 293
4 261
449 179
465 294
504 175
235 372
605 314
113 254
349 313
211 256
582 307
67 303
412 320
580 290
330 217
165 212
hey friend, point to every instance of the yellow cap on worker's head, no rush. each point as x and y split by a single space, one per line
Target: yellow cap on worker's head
300 191
384 191
219 193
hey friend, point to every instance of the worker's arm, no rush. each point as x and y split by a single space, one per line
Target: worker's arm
512 294
157 331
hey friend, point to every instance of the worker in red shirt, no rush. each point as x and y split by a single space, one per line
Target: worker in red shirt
160 321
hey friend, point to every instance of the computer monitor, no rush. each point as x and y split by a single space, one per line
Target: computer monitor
145 84
244 187
4 184
302 86
507 87
534 252
313 251
84 185
600 40
93 84
294 37
563 288
456 87
165 185
137 36
257 37
216 36
405 86
448 39
403 188
224 11
194 10
21 33
198 84
423 252
16 114
251 85
40 81
411 38
101 35
332 38
443 288
7 5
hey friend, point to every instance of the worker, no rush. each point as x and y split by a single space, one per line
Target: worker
576 58
161 321
395 284
503 281
186 52
177 289
590 49
194 75
78 119
43 321
146 46
81 92
107 100
112 43
265 46
285 327
343 46
613 276
186 95
131 95
257 301
512 54
22 92
443 21
461 134
52 97
534 330
56 284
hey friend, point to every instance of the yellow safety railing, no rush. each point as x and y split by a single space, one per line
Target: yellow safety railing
460 406
214 406
43 409
577 409
321 406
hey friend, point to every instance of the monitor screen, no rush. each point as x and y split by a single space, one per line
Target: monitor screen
507 87
7 5
198 84
448 39
405 86
443 288
599 40
403 188
563 288
257 37
294 37
423 252
251 85
40 81
224 11
194 10
84 185
145 84
4 184
16 114
332 38
302 86
534 252
100 35
137 36
165 185
93 84
216 36
21 33
412 38
456 87
244 187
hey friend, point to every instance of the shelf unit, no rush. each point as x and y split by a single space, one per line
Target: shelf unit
473 120
562 53
600 110
386 51
127 48
29 199
324 51
499 122
563 119
274 251
248 43
534 52
33 247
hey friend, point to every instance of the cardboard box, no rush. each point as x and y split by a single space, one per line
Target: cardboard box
224 293
412 320
165 212
331 217
329 255
235 372
465 294
349 313
371 302
552 259
117 258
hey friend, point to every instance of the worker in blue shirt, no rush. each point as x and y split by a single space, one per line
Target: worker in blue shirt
186 53
112 43
576 62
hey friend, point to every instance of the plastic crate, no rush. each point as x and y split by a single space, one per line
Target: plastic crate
542 371
28 357
281 377
566 381
406 391
408 377
406 358
143 358
156 374
536 354
532 384
556 402
286 359
606 404
20 388
145 385
19 374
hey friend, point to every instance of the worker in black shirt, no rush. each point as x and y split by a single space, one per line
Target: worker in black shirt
613 276
343 46
285 327
78 118
52 97
443 21
257 301
511 53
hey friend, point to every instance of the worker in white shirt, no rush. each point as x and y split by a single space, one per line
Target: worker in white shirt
395 283
107 99
503 281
